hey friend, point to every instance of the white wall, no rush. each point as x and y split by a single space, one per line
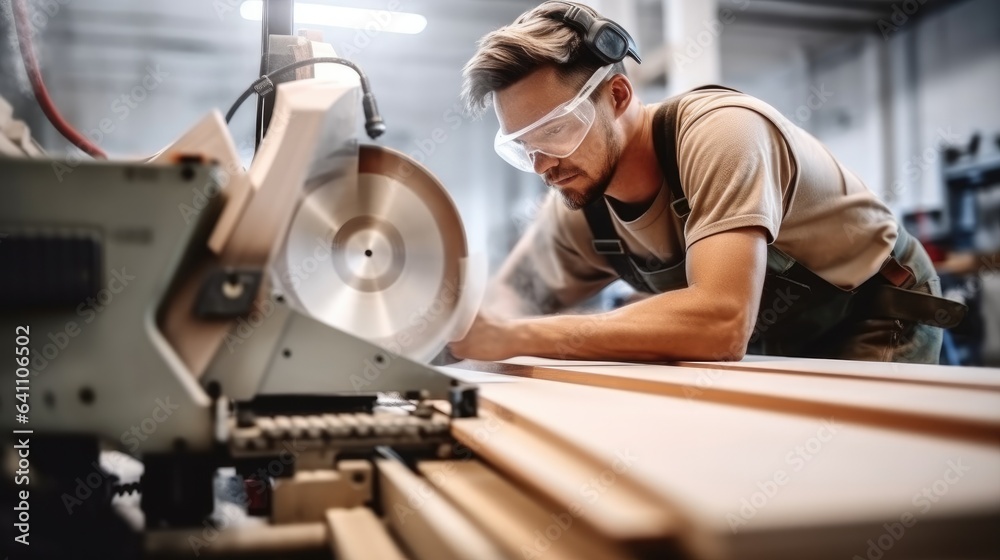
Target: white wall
771 66
850 123
958 81
831 91
895 100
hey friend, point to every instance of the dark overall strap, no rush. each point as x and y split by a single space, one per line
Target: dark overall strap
606 240
665 146
608 244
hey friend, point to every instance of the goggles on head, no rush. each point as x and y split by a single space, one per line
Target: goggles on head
607 40
558 134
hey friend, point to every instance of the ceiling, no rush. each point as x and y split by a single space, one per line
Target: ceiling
93 50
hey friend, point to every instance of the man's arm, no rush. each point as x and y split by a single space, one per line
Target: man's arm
733 164
548 268
711 319
968 262
518 290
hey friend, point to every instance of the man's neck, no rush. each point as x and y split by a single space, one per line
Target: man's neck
637 179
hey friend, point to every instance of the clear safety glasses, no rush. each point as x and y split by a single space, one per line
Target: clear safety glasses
557 134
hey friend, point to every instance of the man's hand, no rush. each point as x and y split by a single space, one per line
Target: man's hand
488 340
960 262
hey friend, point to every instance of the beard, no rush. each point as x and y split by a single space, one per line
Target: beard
577 199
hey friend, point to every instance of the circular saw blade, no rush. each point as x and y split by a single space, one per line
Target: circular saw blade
380 259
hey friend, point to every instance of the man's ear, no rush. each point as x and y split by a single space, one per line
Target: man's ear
621 93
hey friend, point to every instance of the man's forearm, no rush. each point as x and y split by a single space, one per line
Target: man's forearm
518 291
504 302
678 325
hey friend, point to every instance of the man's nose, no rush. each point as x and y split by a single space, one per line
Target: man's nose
542 162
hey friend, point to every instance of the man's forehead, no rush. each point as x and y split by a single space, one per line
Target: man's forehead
531 98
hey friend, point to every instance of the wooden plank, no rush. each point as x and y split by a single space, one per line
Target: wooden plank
429 526
253 539
929 374
356 534
932 409
519 524
564 475
949 376
742 479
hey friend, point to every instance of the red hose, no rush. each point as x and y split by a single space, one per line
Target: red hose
23 33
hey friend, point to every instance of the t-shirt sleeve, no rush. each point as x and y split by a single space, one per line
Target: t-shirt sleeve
733 165
554 264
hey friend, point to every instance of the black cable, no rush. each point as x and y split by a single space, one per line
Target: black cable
264 85
242 98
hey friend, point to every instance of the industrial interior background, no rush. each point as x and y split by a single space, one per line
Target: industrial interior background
903 92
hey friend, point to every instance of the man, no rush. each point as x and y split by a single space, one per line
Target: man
744 226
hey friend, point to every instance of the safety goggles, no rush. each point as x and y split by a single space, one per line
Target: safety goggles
557 134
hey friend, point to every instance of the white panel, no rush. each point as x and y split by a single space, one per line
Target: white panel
849 120
691 30
958 67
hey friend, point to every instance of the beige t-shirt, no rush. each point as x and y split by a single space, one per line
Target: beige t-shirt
741 164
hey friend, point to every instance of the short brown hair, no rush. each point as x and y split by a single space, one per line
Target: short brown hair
536 39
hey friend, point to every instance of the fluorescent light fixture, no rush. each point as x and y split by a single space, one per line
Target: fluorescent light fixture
352 18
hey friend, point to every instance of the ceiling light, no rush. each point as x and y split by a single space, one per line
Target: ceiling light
352 18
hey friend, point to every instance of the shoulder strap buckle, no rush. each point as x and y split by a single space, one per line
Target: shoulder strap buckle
681 208
609 247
